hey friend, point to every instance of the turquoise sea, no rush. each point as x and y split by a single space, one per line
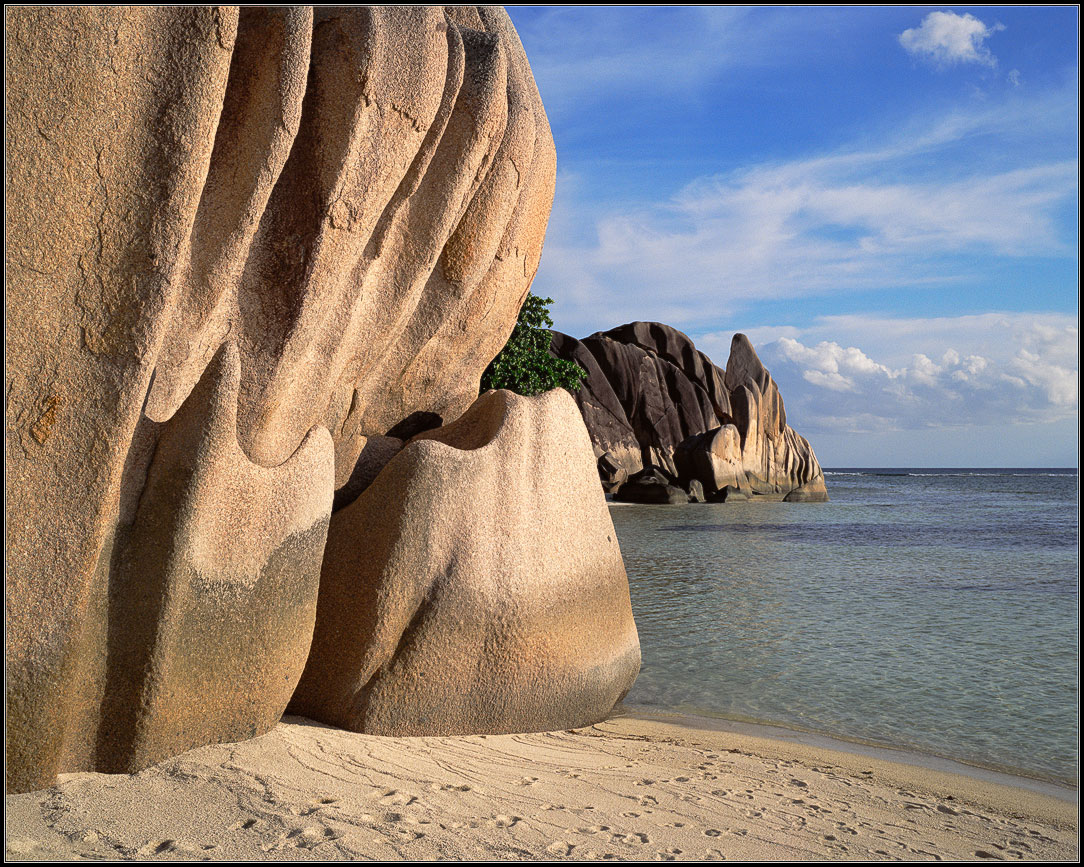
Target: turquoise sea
934 610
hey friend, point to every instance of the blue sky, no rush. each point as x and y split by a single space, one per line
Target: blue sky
884 199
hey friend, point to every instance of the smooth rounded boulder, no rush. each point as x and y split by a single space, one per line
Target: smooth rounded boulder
476 586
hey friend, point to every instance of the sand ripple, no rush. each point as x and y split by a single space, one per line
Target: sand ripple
623 790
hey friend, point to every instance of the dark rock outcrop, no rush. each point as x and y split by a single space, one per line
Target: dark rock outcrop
612 474
248 251
651 485
652 399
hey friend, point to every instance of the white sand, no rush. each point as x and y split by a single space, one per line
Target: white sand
624 789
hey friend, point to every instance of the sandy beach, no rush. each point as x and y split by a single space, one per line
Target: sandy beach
629 788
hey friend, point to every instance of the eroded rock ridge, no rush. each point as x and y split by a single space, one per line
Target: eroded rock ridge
250 253
663 418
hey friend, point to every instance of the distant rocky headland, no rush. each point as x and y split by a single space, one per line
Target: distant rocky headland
669 426
257 260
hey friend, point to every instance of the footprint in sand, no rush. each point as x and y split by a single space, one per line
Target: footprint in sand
392 796
559 848
156 848
503 821
311 837
318 805
634 839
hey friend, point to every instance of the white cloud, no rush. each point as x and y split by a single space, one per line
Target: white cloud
945 38
798 229
884 374
922 207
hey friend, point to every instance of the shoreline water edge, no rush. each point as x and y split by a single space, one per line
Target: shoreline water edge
892 753
928 610
633 787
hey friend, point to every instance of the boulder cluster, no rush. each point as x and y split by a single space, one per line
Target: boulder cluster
257 260
668 426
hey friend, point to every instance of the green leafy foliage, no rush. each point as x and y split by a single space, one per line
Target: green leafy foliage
525 365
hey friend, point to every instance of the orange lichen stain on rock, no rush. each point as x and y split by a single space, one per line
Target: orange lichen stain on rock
43 427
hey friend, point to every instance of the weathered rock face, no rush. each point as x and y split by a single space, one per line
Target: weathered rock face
505 570
651 399
243 246
647 389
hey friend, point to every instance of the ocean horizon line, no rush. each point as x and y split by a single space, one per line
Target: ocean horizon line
943 470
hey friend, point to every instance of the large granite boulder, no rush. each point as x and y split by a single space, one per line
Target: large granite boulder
715 458
637 401
777 462
242 246
652 399
489 594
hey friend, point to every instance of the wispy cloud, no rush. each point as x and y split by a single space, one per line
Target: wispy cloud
880 374
945 38
917 210
584 54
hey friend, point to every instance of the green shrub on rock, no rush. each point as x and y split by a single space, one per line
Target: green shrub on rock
525 365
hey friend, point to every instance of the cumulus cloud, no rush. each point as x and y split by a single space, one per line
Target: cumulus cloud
945 38
998 368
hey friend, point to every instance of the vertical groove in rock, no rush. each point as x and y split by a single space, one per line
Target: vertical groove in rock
651 398
330 206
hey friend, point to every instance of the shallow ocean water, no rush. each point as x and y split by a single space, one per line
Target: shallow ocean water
934 610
